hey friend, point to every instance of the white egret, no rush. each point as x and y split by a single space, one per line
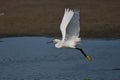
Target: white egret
70 29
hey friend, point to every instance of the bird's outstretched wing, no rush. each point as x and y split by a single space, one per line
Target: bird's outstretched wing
73 28
70 26
65 21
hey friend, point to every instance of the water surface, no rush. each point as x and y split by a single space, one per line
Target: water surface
31 58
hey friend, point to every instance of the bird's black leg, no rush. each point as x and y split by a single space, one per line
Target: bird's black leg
81 51
86 56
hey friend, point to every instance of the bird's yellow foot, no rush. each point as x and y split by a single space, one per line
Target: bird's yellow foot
89 58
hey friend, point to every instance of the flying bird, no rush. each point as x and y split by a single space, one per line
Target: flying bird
70 29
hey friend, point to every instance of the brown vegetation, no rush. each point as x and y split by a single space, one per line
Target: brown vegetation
99 18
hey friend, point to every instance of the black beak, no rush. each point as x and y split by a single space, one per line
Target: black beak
50 42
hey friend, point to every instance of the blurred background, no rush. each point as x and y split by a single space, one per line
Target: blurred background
99 19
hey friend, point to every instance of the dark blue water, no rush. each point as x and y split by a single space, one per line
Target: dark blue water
31 58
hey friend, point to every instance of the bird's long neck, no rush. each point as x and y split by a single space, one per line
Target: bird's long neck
56 40
59 44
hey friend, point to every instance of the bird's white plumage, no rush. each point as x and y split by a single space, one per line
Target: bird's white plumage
70 25
70 29
73 28
65 21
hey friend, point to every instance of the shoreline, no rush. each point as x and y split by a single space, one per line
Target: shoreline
103 38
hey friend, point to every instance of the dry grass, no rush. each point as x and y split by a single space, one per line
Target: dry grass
43 17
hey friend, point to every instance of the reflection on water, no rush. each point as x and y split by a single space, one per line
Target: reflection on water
30 58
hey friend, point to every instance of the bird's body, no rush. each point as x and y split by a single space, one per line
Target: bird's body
70 29
71 43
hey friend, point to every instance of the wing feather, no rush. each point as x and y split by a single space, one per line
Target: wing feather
65 21
73 28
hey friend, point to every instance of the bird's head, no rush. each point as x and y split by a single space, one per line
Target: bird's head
54 41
